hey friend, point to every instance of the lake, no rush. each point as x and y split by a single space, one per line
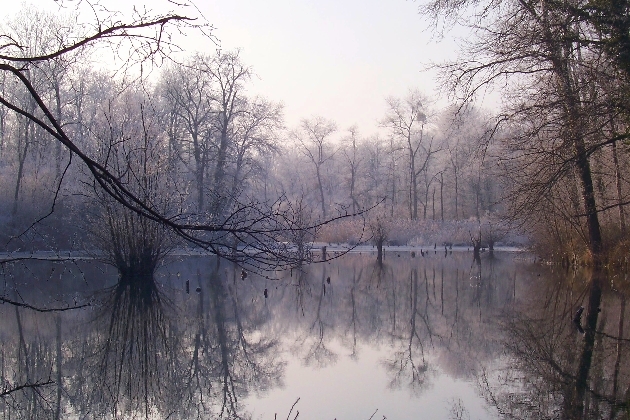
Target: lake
438 336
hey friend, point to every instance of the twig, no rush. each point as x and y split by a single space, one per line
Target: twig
614 337
54 203
58 258
291 410
373 414
25 386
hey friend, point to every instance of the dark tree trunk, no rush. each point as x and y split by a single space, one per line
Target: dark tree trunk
321 192
574 404
622 216
560 53
620 339
200 168
58 364
433 203
59 120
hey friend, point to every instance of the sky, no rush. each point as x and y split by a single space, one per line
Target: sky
339 59
336 59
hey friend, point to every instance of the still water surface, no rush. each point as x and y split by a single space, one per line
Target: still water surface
435 337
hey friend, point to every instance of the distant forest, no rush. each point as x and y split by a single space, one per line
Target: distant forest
186 156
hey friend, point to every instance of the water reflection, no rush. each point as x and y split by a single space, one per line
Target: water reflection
311 344
226 356
150 350
557 370
132 349
408 364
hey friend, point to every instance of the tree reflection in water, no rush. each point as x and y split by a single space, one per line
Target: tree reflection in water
33 345
26 361
408 364
557 370
311 343
143 355
227 358
131 346
200 355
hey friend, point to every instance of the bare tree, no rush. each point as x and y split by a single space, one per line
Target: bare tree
314 139
379 230
229 74
354 160
131 148
187 91
246 231
406 119
554 103
255 138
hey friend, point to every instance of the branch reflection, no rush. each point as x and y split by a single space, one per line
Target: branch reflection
152 350
558 369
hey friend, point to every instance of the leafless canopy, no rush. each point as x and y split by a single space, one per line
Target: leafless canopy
250 231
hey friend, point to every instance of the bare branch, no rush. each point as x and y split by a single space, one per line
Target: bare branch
38 384
37 309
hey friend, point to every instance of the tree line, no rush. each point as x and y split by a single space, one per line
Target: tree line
562 68
190 147
192 151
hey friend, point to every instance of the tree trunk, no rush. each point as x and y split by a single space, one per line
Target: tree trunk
413 182
200 185
574 122
615 391
393 187
456 193
622 216
59 120
354 201
574 405
442 196
58 363
237 175
219 170
200 167
478 197
415 197
588 195
22 152
321 192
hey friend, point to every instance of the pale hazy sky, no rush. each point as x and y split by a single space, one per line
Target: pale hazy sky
336 58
